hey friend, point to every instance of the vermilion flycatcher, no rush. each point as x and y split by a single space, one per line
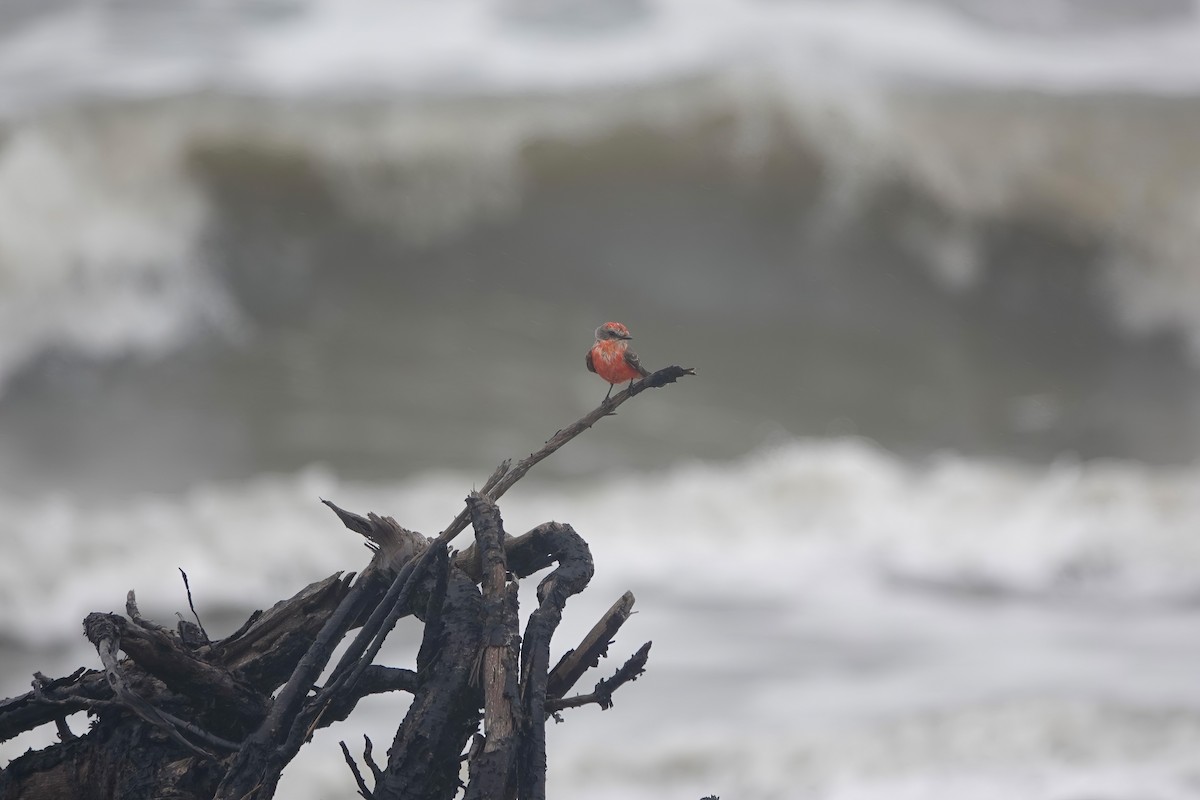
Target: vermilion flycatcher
611 358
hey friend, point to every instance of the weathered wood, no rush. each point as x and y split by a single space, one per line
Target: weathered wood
105 632
221 719
602 694
256 767
97 766
363 790
574 571
266 650
491 769
52 700
423 760
400 557
435 621
166 657
574 663
376 679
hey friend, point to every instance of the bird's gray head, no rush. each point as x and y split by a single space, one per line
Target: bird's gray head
610 331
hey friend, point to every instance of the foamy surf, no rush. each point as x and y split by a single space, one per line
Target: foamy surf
858 626
119 235
835 516
422 121
518 46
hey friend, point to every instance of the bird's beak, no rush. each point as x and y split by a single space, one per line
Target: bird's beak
626 336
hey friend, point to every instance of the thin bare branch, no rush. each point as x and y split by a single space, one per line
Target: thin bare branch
363 791
504 477
602 694
188 586
575 663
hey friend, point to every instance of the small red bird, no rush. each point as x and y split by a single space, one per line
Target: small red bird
611 358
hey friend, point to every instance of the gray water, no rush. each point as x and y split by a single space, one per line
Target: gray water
803 319
922 526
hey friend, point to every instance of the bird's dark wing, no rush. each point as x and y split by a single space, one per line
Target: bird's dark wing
632 360
591 367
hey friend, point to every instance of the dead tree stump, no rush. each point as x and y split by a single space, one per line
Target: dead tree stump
221 719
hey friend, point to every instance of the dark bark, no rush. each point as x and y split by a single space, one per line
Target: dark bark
574 570
575 663
603 693
492 765
423 760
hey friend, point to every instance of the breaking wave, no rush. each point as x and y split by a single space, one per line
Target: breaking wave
115 192
840 514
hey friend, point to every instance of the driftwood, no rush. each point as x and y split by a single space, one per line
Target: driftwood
221 719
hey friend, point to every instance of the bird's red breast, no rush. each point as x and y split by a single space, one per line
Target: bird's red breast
615 362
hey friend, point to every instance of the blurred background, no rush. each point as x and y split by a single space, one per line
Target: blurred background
925 525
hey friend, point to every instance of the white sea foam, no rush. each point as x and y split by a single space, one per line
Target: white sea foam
824 616
523 45
808 516
97 238
103 213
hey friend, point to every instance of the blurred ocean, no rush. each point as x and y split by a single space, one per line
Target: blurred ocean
925 525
